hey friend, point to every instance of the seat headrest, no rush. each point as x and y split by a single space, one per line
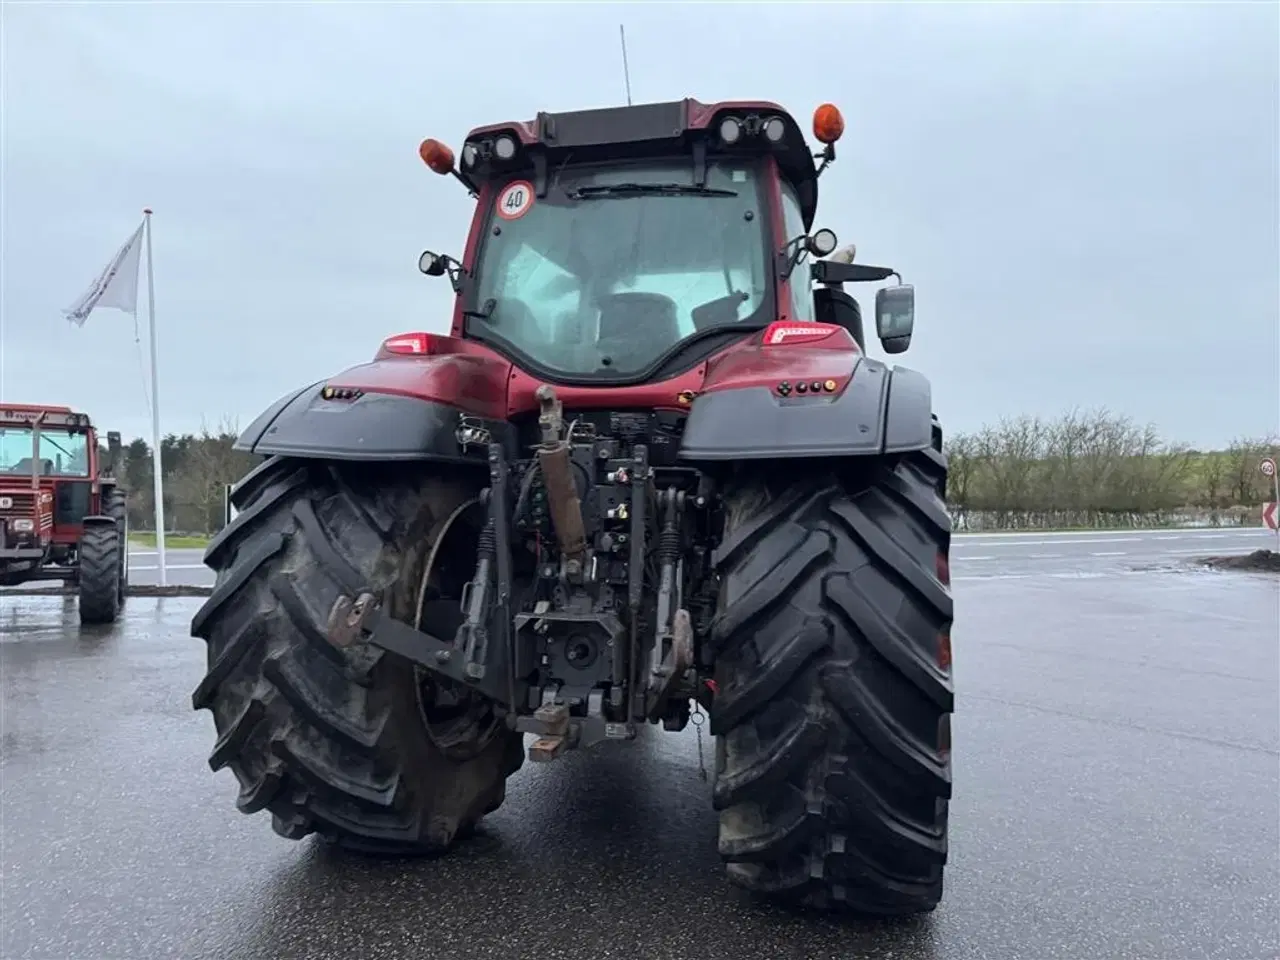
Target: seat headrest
639 316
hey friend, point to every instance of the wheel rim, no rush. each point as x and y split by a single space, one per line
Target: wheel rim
458 722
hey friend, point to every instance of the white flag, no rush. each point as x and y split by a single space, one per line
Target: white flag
117 286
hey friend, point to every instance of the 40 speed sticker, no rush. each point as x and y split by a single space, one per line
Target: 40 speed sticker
515 200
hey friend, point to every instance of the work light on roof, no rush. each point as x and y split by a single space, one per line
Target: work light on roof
730 130
470 154
504 147
775 129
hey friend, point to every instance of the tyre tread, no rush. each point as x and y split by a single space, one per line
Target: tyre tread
99 574
832 782
330 740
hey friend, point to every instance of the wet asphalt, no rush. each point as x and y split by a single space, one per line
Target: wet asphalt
981 555
1117 795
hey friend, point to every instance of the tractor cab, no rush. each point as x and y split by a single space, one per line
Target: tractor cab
628 244
51 479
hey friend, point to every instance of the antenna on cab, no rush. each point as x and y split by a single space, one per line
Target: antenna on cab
626 71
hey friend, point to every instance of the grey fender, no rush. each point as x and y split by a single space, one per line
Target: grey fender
881 411
253 433
371 427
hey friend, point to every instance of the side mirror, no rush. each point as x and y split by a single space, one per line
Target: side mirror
114 459
895 317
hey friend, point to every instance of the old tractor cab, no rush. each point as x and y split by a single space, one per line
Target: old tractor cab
62 511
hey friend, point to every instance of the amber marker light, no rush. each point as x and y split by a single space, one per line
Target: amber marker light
828 124
437 157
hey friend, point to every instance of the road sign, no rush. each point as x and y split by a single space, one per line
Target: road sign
1270 519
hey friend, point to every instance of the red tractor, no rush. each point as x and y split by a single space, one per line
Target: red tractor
650 471
62 512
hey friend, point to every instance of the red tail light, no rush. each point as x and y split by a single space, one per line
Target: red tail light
785 333
408 344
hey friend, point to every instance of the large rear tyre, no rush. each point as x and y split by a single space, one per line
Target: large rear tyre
116 507
100 568
833 669
356 745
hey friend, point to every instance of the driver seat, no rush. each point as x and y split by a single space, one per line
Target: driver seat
635 328
26 463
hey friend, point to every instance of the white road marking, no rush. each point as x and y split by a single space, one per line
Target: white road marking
1144 534
171 566
1045 556
1230 552
1071 575
1058 543
1109 553
1082 540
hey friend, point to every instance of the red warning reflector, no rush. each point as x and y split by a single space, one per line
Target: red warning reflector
784 333
944 649
944 569
408 344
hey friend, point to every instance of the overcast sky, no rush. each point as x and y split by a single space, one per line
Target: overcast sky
1087 198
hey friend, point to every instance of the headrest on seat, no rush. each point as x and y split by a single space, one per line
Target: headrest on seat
630 317
25 464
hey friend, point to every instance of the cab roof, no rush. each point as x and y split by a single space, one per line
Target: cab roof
22 414
679 126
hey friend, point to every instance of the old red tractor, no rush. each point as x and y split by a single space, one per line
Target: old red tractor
651 470
62 511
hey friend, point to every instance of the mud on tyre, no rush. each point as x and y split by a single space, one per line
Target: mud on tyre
355 745
834 674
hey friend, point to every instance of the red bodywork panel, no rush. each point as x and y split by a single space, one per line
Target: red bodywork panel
479 381
462 372
752 364
19 502
27 411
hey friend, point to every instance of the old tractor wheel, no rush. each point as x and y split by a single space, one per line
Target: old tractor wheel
833 669
356 745
100 565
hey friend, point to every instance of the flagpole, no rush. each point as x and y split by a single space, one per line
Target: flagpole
157 466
